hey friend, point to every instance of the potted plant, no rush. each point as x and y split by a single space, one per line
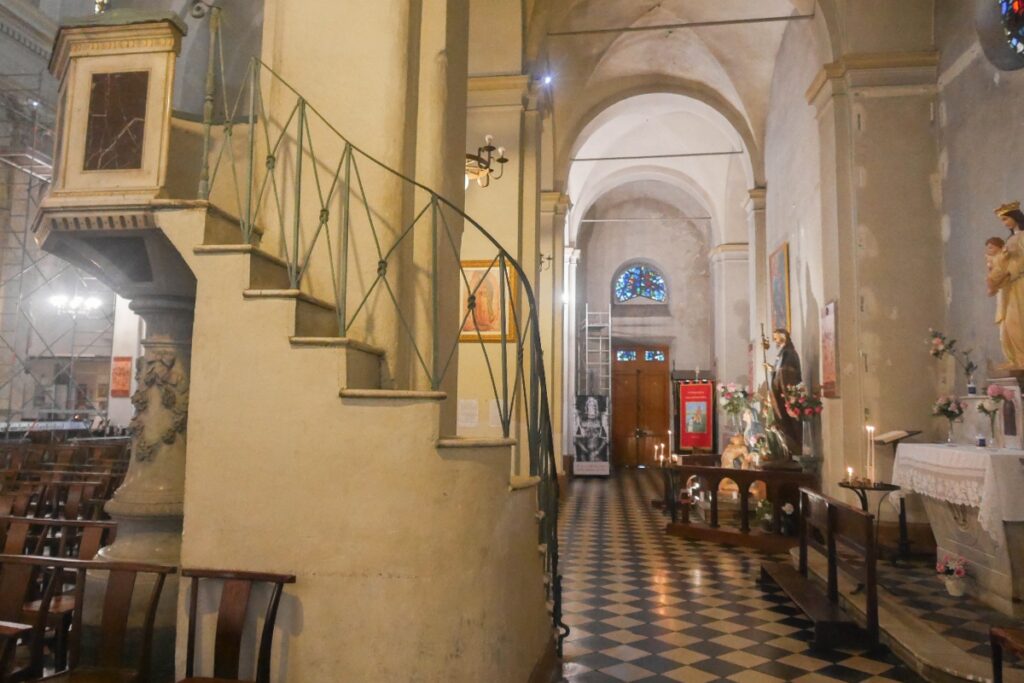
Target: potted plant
952 571
950 408
991 407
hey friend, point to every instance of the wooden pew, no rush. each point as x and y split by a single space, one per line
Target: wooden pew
1004 639
829 525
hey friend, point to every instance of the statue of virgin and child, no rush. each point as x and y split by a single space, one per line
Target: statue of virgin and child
1004 260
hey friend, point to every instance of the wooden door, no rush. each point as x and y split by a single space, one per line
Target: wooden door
640 403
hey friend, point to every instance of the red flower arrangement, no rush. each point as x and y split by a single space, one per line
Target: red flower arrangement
801 404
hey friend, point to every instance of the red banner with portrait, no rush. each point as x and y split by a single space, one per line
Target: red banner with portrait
697 415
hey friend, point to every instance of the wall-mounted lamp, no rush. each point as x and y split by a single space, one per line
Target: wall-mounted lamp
480 166
545 261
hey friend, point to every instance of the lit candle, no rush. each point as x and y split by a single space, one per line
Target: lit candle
871 452
849 475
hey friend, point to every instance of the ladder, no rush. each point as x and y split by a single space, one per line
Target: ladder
596 352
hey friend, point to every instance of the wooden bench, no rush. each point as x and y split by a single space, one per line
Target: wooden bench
827 525
1004 639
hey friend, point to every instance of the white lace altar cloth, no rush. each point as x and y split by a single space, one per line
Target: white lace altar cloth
990 480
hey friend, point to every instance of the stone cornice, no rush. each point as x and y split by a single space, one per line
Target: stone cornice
877 69
755 199
27 26
160 35
729 251
552 201
498 91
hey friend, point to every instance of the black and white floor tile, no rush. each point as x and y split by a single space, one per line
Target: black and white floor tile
645 606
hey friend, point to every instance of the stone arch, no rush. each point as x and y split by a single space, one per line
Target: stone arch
627 87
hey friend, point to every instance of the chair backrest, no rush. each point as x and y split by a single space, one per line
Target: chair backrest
76 538
20 577
234 602
117 601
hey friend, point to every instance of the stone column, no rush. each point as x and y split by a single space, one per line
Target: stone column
881 244
571 258
440 158
757 265
551 303
729 283
148 507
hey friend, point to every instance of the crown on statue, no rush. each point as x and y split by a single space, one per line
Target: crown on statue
1007 208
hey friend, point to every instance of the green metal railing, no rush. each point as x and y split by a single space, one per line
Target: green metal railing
374 244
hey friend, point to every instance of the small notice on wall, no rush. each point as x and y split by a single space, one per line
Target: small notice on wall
469 412
121 377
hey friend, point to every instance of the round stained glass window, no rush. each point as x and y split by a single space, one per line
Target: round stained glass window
1012 12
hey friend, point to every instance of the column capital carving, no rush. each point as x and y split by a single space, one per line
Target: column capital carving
864 72
554 202
755 199
729 252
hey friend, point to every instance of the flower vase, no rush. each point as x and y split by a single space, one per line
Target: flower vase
994 442
954 585
972 388
949 436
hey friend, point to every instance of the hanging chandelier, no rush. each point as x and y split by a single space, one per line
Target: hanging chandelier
480 167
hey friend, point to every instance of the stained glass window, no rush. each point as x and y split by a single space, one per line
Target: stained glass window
640 281
658 356
624 356
1013 23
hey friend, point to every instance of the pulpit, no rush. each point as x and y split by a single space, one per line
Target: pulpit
973 498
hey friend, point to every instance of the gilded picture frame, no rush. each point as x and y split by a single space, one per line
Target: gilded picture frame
484 322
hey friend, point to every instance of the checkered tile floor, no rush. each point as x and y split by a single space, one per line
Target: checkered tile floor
645 606
962 621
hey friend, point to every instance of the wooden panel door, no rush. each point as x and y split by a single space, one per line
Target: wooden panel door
640 403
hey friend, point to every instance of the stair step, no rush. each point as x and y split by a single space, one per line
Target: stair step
474 442
287 294
336 342
239 249
393 394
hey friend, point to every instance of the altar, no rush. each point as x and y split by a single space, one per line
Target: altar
974 498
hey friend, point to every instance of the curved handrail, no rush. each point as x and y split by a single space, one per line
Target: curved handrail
347 185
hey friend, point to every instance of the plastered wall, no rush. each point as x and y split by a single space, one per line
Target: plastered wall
980 165
660 235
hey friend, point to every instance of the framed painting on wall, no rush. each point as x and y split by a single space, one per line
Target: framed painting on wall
778 277
829 352
482 321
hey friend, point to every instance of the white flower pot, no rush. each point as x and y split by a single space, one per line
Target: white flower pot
954 585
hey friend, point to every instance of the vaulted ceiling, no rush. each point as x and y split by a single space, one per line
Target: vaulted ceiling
729 66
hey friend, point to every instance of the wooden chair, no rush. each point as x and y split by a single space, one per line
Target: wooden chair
19 576
234 602
1011 639
110 665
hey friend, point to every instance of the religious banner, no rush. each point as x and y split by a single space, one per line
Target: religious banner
829 365
696 415
591 436
121 377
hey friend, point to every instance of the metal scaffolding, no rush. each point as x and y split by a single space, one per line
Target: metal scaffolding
56 322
